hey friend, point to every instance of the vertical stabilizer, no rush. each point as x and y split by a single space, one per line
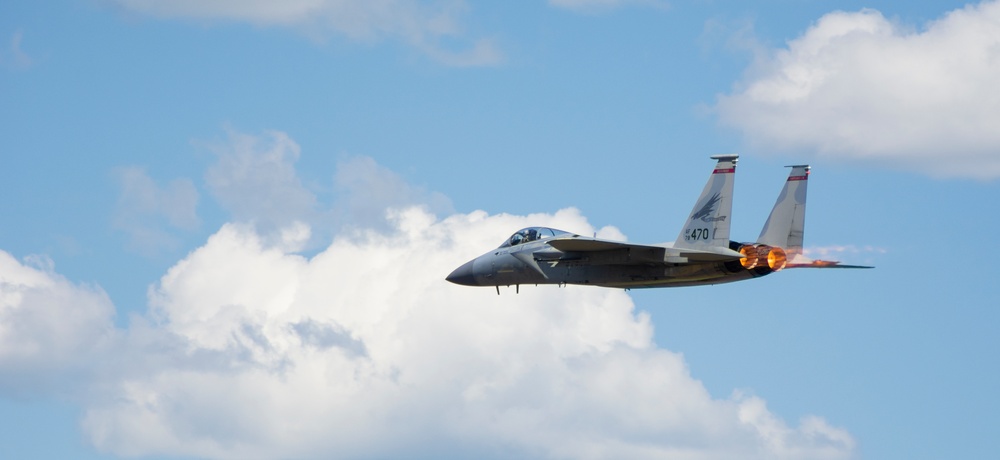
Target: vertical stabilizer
786 224
708 224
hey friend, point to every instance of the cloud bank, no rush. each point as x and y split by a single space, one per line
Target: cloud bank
251 350
858 86
424 25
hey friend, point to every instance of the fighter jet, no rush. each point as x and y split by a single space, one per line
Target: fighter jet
702 253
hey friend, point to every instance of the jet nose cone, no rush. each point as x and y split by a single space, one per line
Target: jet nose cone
463 275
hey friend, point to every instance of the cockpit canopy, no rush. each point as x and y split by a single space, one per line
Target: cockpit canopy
526 235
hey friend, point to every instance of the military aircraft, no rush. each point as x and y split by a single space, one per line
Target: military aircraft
702 254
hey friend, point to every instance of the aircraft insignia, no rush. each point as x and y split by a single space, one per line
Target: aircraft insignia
708 208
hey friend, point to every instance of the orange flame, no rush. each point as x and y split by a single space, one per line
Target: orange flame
776 259
750 258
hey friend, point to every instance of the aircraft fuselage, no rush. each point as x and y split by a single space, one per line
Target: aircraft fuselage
535 263
702 253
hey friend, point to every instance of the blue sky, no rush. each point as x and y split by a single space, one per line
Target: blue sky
226 226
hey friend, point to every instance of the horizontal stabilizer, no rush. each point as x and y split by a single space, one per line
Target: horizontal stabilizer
805 262
826 264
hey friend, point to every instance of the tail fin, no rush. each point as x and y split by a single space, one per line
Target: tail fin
708 225
786 224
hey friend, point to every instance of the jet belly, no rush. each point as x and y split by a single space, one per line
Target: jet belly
640 276
683 275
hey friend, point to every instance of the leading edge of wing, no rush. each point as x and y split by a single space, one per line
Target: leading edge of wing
645 253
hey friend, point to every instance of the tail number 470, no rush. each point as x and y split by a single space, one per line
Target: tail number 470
695 234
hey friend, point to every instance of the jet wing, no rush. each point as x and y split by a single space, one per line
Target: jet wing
644 254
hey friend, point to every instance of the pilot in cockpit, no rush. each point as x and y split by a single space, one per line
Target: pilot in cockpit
532 235
524 236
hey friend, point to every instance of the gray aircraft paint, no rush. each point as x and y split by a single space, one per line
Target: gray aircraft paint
785 225
541 255
708 224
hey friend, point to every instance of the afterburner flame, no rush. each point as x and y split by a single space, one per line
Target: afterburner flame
755 255
750 258
776 259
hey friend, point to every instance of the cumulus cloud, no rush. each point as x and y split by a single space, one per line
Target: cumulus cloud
363 350
147 212
425 25
858 86
52 332
251 350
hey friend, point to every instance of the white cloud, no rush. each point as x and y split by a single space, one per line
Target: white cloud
860 87
147 211
255 180
52 332
365 351
425 25
366 190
